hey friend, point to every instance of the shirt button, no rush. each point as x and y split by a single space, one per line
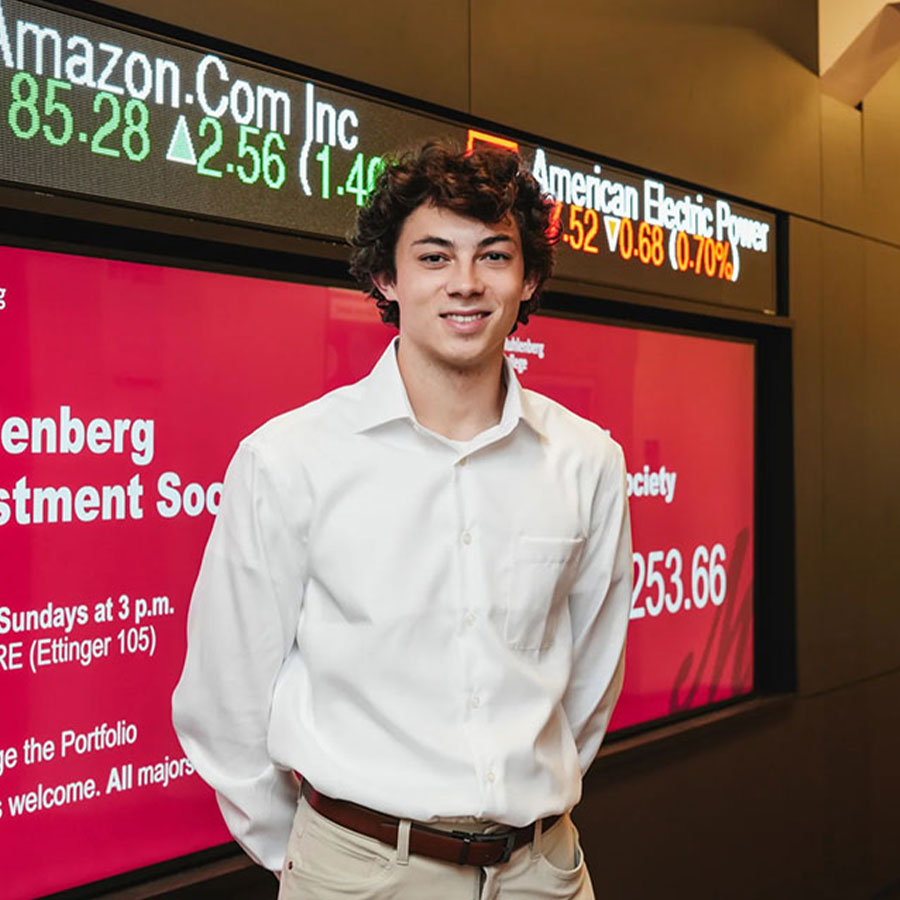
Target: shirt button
466 537
471 618
490 776
475 701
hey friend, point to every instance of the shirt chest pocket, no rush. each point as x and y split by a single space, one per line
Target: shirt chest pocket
544 570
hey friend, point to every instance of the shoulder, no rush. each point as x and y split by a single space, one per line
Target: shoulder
570 432
295 433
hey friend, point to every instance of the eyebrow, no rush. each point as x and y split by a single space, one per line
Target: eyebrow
443 242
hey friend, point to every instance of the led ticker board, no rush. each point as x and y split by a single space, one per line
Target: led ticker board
97 110
641 232
93 109
127 389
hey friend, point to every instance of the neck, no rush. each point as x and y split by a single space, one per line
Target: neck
456 403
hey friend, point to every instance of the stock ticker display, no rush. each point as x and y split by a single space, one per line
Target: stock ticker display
97 110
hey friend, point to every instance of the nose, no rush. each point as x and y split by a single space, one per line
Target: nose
464 280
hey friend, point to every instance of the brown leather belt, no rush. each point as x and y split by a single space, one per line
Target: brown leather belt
460 847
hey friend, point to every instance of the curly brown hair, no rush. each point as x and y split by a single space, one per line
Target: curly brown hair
485 184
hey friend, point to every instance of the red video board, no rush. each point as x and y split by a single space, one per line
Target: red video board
682 407
126 388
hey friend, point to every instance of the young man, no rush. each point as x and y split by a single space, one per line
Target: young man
416 591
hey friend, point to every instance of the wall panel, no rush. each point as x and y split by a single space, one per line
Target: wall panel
414 48
881 150
806 308
712 103
843 601
884 778
738 813
843 191
879 457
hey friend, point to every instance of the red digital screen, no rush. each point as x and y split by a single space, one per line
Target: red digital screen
682 407
126 388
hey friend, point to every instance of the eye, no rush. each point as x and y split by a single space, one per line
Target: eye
497 256
432 258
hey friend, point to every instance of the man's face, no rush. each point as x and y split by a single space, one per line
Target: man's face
459 284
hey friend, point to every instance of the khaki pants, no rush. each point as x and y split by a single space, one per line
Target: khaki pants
326 861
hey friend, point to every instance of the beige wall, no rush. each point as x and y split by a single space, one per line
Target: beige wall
805 801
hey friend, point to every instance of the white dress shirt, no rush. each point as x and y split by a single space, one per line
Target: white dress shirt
424 627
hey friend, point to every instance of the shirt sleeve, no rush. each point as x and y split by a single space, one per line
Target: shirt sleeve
241 626
600 605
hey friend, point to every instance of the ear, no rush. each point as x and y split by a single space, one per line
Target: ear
385 284
529 286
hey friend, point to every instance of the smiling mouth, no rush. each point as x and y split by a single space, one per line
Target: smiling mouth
468 317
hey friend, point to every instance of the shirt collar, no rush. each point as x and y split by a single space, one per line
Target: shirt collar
384 398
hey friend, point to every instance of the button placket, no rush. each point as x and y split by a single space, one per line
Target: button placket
473 696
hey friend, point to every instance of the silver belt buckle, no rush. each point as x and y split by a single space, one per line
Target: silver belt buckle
468 838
